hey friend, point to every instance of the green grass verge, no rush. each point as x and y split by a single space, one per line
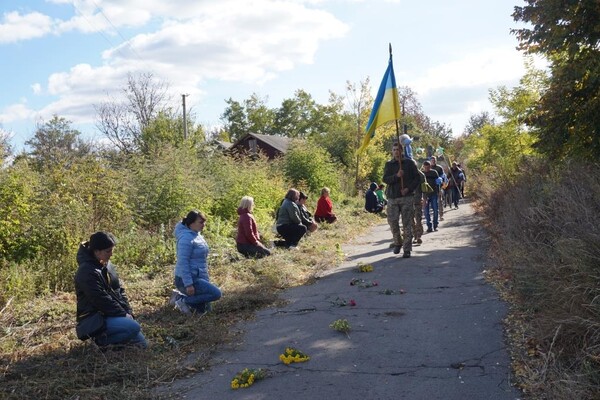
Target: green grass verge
42 358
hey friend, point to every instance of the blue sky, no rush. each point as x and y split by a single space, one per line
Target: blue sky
63 56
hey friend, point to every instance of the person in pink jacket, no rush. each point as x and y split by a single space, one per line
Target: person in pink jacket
248 239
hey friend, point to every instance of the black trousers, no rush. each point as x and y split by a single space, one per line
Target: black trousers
250 250
291 233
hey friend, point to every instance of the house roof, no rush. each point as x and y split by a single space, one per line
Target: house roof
223 144
280 143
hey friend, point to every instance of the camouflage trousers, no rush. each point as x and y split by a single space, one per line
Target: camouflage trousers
401 206
418 221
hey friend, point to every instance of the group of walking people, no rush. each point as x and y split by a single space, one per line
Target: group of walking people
411 193
103 310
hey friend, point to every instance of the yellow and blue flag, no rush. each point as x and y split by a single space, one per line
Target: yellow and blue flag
386 107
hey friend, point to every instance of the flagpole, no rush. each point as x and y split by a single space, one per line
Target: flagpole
398 135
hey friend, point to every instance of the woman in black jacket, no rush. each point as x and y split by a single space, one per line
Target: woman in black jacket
99 291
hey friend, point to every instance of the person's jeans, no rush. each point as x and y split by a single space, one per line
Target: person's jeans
121 330
432 201
205 292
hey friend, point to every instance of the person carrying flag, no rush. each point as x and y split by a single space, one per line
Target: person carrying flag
402 178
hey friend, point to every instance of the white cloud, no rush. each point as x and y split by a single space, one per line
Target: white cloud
16 27
16 112
37 88
489 67
248 43
251 42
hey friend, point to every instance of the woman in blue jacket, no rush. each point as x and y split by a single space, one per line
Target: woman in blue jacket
191 271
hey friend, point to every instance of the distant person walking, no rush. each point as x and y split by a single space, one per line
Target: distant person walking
402 178
456 177
196 292
418 215
101 298
324 211
248 238
440 192
464 181
431 200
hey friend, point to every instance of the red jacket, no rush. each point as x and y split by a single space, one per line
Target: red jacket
324 207
247 232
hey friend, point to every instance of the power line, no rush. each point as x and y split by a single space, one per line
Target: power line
100 31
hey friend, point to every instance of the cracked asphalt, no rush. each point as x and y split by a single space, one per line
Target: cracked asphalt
430 329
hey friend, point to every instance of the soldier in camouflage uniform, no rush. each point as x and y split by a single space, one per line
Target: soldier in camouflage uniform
402 179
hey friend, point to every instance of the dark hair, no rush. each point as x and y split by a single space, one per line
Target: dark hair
426 163
191 217
102 241
302 196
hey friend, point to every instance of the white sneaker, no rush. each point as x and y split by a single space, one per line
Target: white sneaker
175 295
181 306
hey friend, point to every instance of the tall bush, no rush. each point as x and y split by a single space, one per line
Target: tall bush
307 164
18 211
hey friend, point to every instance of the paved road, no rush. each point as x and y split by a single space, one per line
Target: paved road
438 335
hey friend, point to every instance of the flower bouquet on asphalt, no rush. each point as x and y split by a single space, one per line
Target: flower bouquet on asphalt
390 291
339 302
291 355
365 268
247 377
363 283
341 325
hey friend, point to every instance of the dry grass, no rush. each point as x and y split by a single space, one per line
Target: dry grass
40 357
547 254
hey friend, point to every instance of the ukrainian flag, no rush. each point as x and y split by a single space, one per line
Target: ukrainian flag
385 108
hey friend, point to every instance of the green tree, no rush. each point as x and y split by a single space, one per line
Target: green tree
308 166
478 121
18 210
167 129
250 116
296 117
261 118
235 120
497 150
568 34
5 147
55 143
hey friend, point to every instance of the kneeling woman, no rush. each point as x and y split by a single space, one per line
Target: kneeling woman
191 270
248 239
289 222
99 290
